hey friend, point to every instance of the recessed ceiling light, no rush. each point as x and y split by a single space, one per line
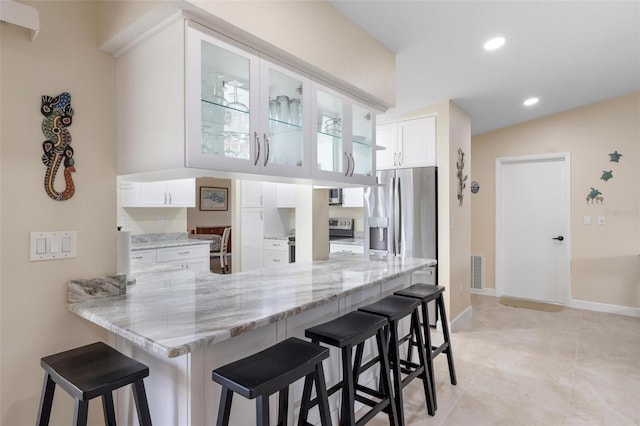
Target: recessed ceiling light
494 43
531 101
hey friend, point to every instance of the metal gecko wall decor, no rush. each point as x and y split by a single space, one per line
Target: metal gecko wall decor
57 148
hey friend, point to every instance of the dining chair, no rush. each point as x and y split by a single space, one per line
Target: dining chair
224 244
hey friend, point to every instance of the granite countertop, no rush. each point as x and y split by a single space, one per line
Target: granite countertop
174 311
175 239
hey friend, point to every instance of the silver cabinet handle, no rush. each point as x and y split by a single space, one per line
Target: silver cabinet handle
182 253
395 159
170 199
136 257
261 200
400 158
165 198
353 164
348 163
275 245
257 141
266 148
276 260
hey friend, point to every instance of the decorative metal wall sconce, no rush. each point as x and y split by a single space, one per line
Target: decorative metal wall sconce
57 149
462 178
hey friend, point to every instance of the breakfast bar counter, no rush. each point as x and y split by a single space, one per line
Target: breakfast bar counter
184 324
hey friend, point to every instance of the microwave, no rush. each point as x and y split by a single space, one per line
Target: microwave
335 196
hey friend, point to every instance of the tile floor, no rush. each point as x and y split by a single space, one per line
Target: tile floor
523 367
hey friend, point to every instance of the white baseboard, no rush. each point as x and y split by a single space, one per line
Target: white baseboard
605 307
463 317
485 291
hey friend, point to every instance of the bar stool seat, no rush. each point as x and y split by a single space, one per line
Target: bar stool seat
396 308
345 332
88 372
427 293
272 370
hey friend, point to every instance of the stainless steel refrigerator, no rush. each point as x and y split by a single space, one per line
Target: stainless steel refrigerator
401 214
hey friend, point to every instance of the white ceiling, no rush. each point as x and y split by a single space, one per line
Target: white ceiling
567 53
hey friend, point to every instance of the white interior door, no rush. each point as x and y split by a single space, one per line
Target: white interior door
532 227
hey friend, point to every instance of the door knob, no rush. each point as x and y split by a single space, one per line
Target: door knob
559 238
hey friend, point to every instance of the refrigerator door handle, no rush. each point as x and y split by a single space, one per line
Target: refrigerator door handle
398 218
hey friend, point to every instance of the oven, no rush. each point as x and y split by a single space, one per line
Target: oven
340 228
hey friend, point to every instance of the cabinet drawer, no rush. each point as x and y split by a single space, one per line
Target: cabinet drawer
345 248
273 258
140 258
181 253
276 245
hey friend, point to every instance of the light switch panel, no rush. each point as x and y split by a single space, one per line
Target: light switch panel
601 220
587 220
52 245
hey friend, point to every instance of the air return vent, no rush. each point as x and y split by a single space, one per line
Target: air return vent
477 272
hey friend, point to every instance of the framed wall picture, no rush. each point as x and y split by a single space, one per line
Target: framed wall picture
214 199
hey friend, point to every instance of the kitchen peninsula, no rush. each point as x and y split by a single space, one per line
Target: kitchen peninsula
183 324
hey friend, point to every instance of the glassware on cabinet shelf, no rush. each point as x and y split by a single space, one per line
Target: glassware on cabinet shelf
295 112
236 104
213 88
282 109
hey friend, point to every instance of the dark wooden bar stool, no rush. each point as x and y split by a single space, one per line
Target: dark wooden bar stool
88 372
346 332
427 293
273 370
395 308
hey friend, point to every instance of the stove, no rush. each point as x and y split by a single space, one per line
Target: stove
340 228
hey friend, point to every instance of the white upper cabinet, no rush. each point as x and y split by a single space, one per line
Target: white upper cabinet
191 98
343 139
286 197
407 143
244 113
352 197
172 193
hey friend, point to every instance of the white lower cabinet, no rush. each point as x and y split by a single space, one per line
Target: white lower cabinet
188 257
143 259
345 248
276 252
195 257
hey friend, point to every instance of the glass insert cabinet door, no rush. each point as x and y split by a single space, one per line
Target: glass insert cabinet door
222 98
284 105
362 141
329 120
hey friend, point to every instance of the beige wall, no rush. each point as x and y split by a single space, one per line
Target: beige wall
291 26
605 261
453 131
34 317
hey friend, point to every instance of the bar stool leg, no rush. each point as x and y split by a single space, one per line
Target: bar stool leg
224 411
283 406
80 413
321 391
348 416
142 405
428 351
46 400
394 359
385 377
447 338
426 378
262 410
108 410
